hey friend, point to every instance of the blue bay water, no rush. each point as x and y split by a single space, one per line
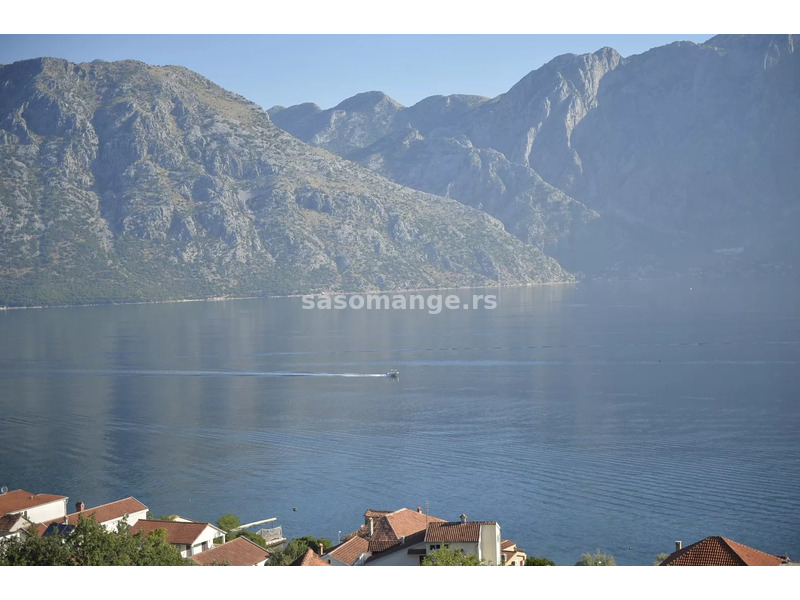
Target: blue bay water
618 416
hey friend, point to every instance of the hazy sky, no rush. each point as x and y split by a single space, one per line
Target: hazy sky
326 69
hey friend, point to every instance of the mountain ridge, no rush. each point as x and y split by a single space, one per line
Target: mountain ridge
677 154
122 181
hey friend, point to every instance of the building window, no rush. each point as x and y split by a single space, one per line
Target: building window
435 547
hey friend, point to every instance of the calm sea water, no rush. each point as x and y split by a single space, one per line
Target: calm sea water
615 416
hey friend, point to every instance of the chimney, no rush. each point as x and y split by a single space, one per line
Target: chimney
463 518
321 550
371 527
66 520
80 506
678 545
419 509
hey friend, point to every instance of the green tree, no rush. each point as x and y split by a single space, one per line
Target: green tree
596 559
660 557
228 522
451 557
535 561
34 550
279 558
156 551
296 548
91 544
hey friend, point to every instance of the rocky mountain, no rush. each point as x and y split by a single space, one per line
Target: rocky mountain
422 147
123 181
683 158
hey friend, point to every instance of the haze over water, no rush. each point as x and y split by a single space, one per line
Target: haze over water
619 416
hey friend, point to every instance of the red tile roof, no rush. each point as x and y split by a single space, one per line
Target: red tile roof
12 522
411 540
19 500
437 531
389 527
178 532
105 512
240 552
349 550
512 553
455 531
405 521
310 559
719 551
377 513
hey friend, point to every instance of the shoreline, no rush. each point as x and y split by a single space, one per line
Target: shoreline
274 296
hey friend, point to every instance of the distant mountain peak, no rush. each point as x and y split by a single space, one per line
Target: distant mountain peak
367 101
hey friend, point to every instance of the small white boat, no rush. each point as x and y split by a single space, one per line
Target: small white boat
393 373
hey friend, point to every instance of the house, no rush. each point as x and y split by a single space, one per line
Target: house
310 559
14 525
353 551
511 555
481 538
405 537
382 529
37 508
240 552
719 551
108 515
189 537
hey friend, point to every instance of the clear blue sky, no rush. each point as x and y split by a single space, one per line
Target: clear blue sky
326 69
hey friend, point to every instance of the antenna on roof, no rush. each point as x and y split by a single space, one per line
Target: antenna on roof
3 490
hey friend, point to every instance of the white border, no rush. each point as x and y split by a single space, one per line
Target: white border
409 16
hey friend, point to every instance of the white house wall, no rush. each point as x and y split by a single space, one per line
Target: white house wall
403 558
209 534
131 520
57 509
490 543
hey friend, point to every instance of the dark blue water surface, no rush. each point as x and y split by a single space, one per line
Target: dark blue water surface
619 416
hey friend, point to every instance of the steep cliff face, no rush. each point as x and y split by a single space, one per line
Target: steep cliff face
530 208
123 181
532 123
683 157
423 147
698 144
